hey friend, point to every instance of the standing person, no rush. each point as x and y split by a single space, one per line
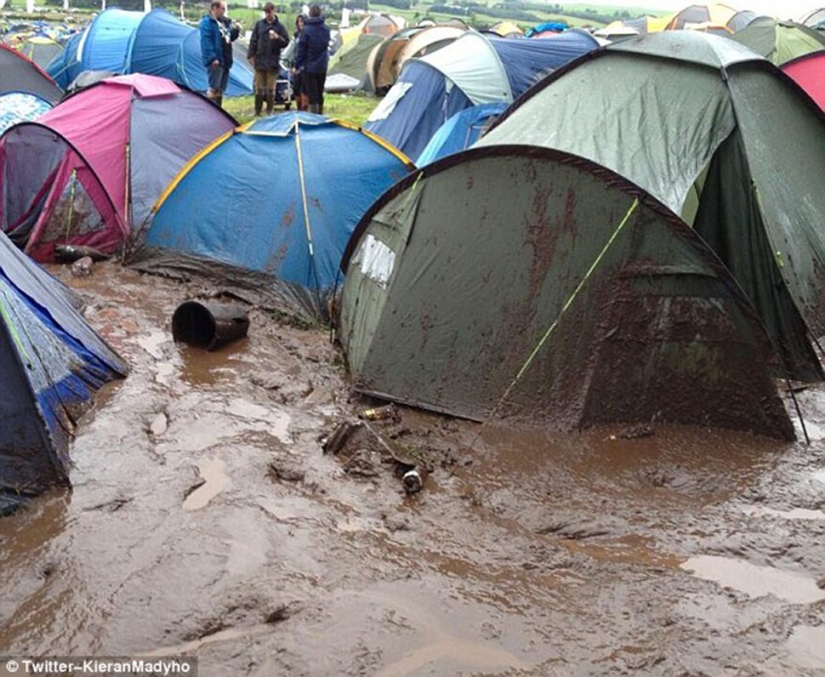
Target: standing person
301 101
217 33
313 58
268 38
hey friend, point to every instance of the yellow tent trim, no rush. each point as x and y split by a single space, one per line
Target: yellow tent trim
189 165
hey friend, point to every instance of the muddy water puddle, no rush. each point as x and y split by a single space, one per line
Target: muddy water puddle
527 553
756 581
212 482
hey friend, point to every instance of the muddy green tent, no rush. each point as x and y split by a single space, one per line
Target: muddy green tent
351 59
532 285
724 139
780 41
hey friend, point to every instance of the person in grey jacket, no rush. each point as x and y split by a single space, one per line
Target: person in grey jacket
268 38
313 58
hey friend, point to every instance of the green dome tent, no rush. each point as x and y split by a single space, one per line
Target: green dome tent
720 136
532 285
780 41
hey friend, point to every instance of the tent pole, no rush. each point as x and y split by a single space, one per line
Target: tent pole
70 208
306 212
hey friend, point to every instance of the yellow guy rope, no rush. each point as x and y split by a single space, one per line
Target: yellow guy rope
553 326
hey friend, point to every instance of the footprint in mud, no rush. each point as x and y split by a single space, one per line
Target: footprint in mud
212 482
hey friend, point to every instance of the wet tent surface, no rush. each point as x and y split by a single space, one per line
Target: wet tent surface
205 518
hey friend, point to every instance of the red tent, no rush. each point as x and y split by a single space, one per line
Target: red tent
808 71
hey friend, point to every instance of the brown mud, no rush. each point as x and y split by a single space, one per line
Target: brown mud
206 519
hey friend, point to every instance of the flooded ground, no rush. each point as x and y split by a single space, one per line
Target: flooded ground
206 519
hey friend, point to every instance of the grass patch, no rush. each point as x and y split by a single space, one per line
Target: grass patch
353 108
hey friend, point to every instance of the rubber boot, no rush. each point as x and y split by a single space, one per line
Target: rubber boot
270 102
314 108
219 100
259 104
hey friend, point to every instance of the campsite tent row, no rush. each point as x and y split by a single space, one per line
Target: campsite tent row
36 45
386 60
472 70
153 43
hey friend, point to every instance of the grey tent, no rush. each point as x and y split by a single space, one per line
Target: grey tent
723 138
532 285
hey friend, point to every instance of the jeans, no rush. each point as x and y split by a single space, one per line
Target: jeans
218 79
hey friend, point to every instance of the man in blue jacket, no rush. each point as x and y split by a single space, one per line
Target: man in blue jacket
217 33
313 58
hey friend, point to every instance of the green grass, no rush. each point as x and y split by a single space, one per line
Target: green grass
353 108
420 10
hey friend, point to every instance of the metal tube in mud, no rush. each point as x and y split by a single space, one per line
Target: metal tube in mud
209 324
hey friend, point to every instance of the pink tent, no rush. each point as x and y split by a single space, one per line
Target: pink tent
808 71
89 170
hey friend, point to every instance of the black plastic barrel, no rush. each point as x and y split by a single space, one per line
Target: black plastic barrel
209 324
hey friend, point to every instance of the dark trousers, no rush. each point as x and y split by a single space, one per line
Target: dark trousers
313 86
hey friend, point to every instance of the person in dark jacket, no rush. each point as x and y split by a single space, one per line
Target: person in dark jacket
217 33
301 100
313 58
268 38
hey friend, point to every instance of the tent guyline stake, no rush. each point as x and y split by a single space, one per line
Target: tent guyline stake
306 211
551 328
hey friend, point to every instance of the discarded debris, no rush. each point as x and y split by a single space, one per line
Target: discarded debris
335 442
388 413
82 267
69 253
634 433
413 480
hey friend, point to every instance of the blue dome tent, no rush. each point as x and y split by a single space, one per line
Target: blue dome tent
298 183
153 43
460 131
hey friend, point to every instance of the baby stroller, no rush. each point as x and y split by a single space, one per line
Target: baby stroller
283 88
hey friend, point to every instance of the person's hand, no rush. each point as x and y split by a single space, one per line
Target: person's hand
214 64
251 59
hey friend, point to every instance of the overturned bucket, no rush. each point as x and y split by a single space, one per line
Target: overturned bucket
209 324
